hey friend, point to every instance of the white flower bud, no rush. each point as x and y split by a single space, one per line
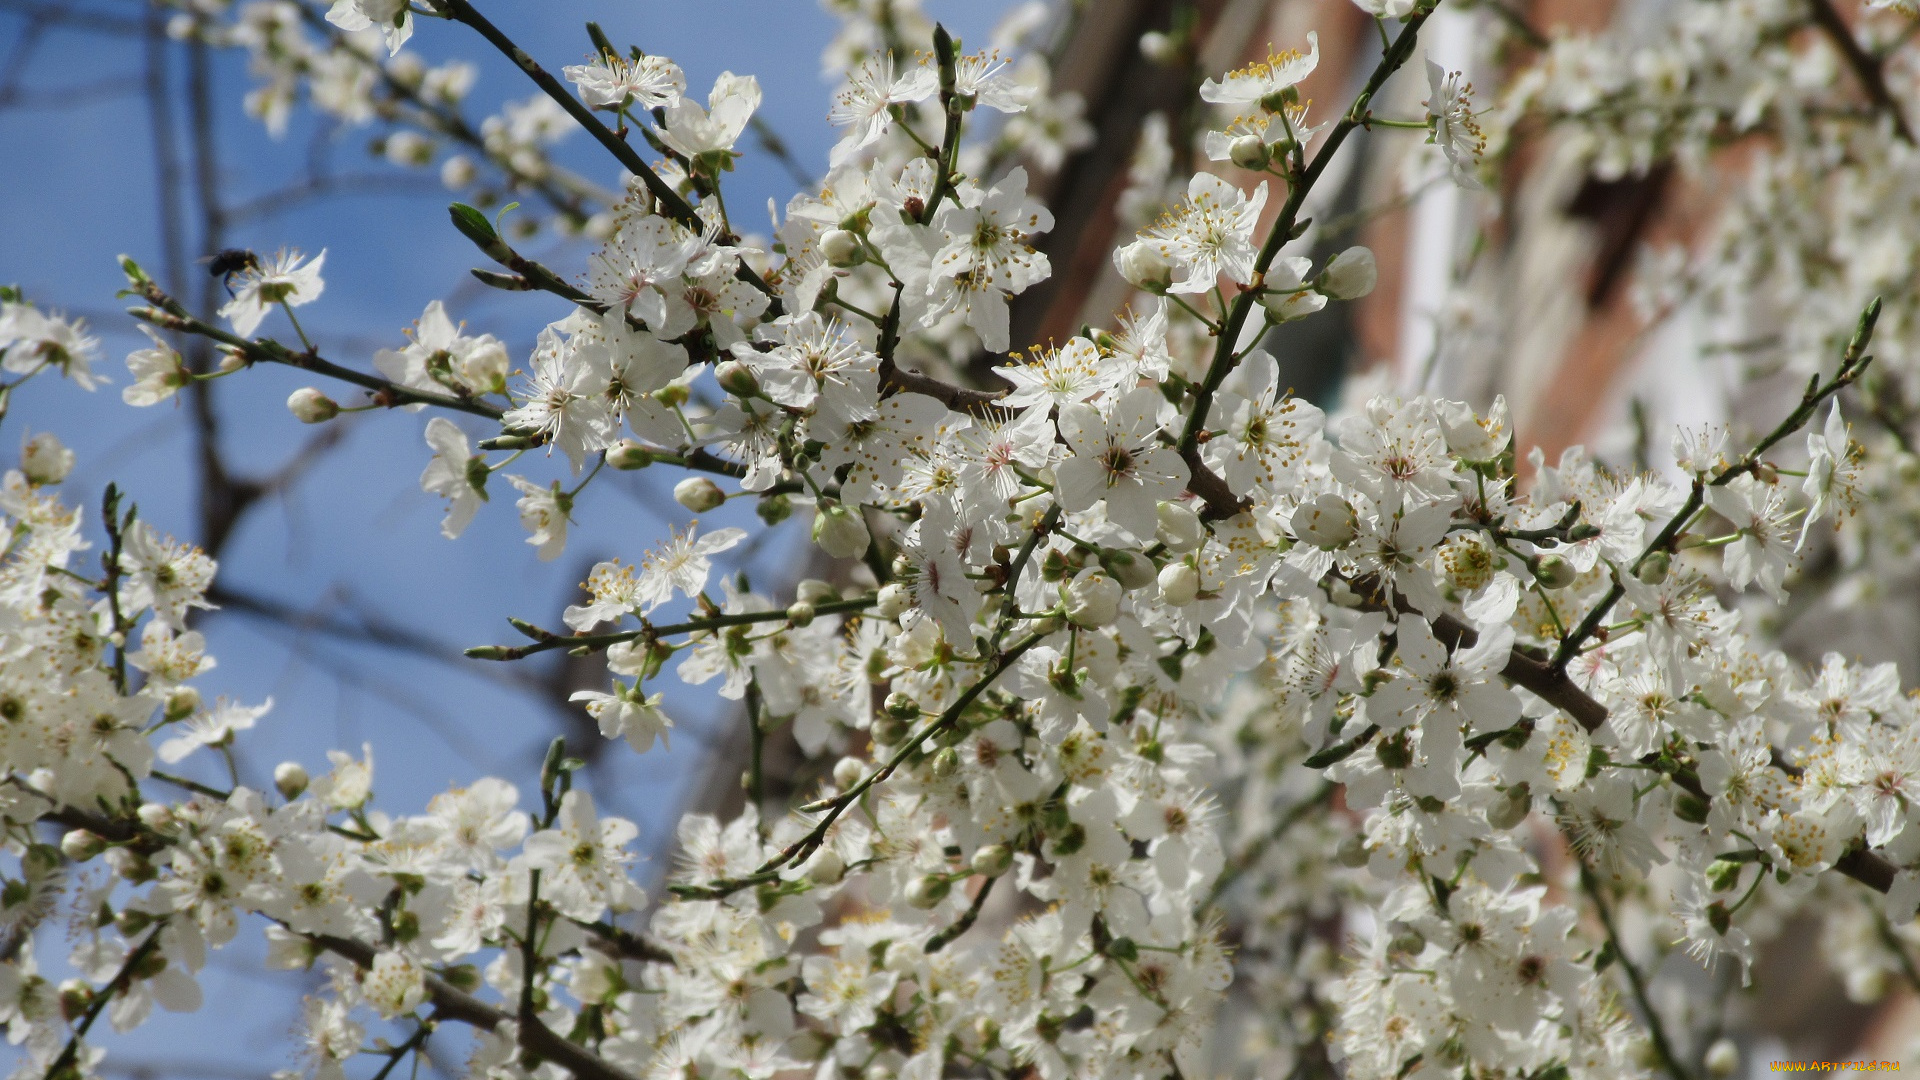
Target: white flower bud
946 762
1093 600
840 531
457 172
1179 583
698 494
1352 851
847 772
815 591
45 461
231 362
76 995
1181 530
1351 275
182 702
290 778
1159 47
1288 306
1131 569
927 891
895 601
628 455
155 816
1468 435
1654 570
1144 267
800 613
1723 1059
81 845
1512 808
826 868
992 860
1248 152
840 248
1327 522
310 406
737 379
1555 572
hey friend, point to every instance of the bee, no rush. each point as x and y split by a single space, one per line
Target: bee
226 263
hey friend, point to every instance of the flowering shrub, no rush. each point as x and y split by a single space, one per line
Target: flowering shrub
1134 654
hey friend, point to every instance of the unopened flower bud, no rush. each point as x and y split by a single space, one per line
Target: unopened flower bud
457 172
673 395
841 248
1408 941
1653 570
800 613
945 762
310 406
698 494
290 779
1124 949
927 891
1690 808
45 460
1179 583
1131 570
81 845
1327 522
1288 305
815 591
774 509
1248 152
894 601
902 706
1144 267
737 379
847 772
1719 917
827 868
1555 572
1180 529
1159 47
155 816
231 362
1351 275
840 531
992 860
75 996
1722 1060
1722 875
182 701
628 455
1093 600
1511 808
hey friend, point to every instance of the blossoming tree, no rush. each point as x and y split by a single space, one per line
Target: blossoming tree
1138 685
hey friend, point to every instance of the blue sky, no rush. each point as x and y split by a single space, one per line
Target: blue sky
358 534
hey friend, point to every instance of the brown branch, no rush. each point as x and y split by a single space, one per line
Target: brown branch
1866 67
452 1003
1553 686
670 201
957 398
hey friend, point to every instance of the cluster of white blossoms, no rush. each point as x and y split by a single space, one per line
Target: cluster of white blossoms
1131 655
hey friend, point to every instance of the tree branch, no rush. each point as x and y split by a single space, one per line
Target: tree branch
452 1003
1866 68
